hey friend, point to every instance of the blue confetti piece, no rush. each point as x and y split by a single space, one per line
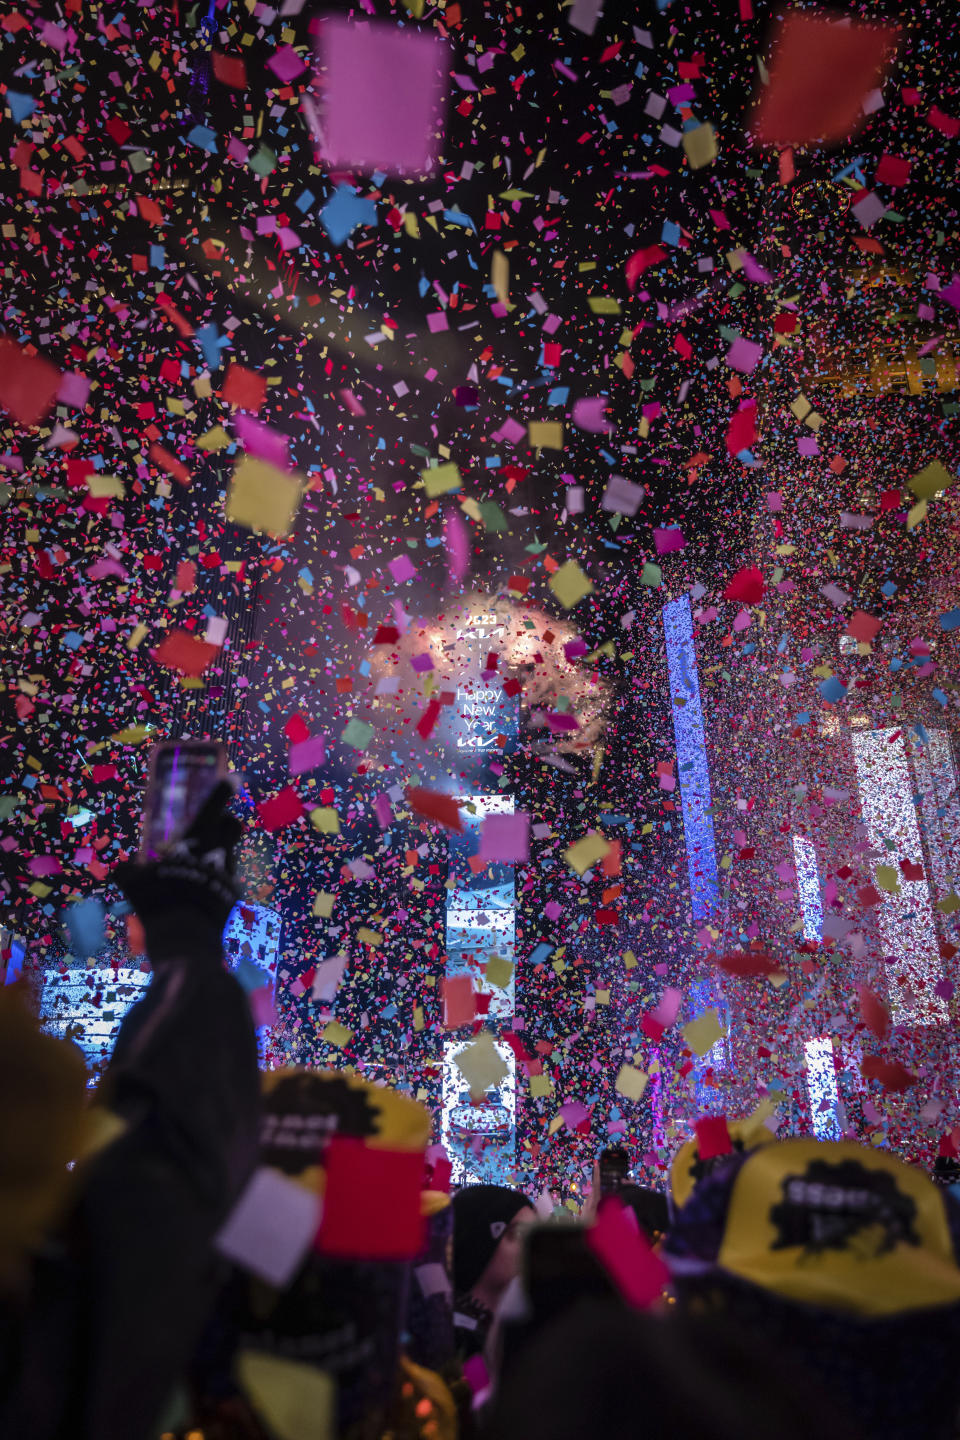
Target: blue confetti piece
211 342
21 106
941 698
833 690
203 138
950 621
457 217
251 977
85 926
344 211
540 953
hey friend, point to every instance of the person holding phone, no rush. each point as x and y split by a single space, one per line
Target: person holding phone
99 1317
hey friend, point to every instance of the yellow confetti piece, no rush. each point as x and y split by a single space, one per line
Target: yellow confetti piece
336 1034
603 304
214 439
500 276
499 971
888 879
570 584
700 146
629 959
583 854
916 513
133 735
631 1082
325 819
703 1033
104 487
481 1065
297 1401
323 905
369 937
261 497
440 479
928 482
541 1087
545 434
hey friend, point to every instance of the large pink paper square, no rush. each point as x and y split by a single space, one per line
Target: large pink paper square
384 88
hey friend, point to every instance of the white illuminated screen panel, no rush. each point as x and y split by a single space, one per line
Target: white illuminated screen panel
87 1006
822 1088
905 919
492 1158
940 808
808 887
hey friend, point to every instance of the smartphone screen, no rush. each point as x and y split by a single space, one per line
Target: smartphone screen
614 1169
183 774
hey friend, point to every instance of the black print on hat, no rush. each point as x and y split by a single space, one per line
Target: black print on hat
828 1206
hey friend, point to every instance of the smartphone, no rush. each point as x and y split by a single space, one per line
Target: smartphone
183 775
614 1169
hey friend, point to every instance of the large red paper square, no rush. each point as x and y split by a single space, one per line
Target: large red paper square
822 71
371 1203
713 1137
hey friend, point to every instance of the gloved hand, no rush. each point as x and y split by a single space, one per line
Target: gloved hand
192 888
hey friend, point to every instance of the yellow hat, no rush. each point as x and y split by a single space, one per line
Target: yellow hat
687 1168
840 1225
43 1082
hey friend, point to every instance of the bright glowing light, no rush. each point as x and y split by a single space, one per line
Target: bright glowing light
937 785
694 774
906 919
479 1139
822 1088
87 1006
481 911
808 887
480 709
70 1007
252 934
705 994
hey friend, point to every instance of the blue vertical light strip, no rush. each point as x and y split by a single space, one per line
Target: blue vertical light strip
694 773
695 801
